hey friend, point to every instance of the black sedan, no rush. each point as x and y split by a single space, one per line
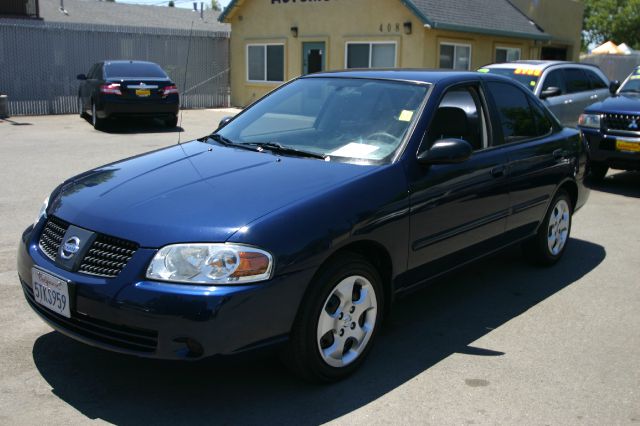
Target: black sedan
114 89
300 220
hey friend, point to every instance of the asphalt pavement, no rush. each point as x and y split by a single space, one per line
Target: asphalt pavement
500 342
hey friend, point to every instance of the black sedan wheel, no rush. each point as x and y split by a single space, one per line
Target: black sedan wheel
547 247
98 123
338 320
81 110
171 122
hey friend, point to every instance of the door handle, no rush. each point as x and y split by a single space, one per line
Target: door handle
558 153
498 171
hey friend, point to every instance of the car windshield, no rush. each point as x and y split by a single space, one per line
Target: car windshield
342 119
133 69
632 84
527 76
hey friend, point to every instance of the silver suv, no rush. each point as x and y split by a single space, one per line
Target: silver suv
567 88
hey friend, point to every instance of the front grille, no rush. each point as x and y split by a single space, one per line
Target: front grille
622 122
52 235
106 257
120 336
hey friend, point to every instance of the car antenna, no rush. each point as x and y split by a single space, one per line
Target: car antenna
184 82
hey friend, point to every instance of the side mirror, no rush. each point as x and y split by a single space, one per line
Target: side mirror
614 86
550 92
446 151
81 77
224 121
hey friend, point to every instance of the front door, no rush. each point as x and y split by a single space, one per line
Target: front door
312 57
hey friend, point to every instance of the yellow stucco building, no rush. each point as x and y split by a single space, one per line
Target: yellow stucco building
273 41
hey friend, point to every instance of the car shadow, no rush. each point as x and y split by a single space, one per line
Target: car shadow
15 123
621 183
425 328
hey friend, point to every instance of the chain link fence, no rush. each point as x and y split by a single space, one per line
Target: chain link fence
39 62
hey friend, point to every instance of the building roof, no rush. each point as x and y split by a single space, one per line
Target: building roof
93 12
495 17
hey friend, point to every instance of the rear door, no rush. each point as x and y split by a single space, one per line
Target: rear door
458 209
579 87
599 86
537 156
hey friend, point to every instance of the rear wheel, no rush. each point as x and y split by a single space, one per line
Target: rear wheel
81 110
598 171
337 322
98 123
171 122
548 246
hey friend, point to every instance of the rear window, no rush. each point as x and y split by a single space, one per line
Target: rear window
527 76
135 69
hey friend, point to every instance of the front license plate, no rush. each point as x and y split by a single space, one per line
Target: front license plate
143 92
627 146
51 292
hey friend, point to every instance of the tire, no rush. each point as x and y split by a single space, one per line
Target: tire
81 110
597 171
98 123
171 122
333 333
550 243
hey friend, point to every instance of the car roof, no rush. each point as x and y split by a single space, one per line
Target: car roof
405 75
124 61
535 64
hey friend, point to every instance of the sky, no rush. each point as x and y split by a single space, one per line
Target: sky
179 3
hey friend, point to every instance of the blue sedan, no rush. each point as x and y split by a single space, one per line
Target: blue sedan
299 221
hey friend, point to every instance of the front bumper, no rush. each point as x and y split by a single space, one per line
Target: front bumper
602 149
129 314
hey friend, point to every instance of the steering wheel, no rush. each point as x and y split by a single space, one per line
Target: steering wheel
380 136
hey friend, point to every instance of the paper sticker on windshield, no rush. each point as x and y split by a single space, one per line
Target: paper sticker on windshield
532 83
354 149
635 77
485 70
405 115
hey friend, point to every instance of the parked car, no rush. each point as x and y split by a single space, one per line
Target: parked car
566 88
612 128
302 219
113 89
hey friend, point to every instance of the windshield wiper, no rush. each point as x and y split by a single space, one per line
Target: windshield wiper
228 142
281 149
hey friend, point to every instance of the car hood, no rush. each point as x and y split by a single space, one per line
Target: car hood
192 192
629 103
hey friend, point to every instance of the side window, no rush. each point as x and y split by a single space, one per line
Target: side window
91 71
596 81
554 79
460 115
515 115
577 80
543 123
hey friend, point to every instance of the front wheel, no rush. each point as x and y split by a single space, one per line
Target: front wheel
337 322
549 244
598 171
171 122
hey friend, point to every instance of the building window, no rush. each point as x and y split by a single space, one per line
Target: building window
371 55
265 62
455 56
507 54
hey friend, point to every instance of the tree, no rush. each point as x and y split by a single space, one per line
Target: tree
615 20
215 5
172 4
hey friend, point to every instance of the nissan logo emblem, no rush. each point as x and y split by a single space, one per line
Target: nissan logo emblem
70 247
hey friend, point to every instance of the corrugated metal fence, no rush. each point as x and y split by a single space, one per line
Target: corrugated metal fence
616 67
39 62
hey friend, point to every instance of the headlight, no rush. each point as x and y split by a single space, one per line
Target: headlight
589 120
43 211
200 263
